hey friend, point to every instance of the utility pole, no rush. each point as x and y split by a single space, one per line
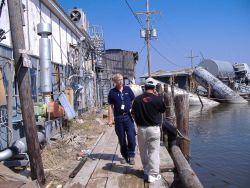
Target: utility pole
148 33
23 78
191 58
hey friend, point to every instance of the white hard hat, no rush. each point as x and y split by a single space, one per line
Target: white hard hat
150 82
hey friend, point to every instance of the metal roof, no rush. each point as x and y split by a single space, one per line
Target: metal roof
163 73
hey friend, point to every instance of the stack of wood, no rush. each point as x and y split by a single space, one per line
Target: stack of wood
9 179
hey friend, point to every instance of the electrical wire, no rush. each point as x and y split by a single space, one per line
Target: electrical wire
136 16
165 58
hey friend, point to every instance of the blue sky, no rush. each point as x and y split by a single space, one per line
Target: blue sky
218 29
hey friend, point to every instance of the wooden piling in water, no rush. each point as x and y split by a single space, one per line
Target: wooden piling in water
169 113
188 177
182 122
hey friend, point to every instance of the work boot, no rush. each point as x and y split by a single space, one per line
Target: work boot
123 161
131 160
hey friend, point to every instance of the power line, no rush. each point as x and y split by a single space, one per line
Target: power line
142 49
136 17
160 54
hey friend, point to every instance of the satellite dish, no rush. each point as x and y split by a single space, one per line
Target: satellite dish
75 15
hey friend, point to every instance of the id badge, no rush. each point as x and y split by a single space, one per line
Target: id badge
122 107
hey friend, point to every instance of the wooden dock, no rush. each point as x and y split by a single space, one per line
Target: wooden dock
104 170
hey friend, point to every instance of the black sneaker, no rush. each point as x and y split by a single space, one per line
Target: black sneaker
131 160
145 177
123 161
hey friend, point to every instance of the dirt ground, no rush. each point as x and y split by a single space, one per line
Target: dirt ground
62 155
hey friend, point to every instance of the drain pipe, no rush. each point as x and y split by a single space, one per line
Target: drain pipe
44 30
19 146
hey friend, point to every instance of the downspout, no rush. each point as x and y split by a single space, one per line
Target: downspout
44 30
19 146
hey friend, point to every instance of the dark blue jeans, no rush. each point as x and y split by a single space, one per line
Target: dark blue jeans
124 127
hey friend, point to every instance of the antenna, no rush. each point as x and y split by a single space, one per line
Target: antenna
202 55
191 58
148 33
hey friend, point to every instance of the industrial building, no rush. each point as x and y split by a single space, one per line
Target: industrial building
62 56
70 70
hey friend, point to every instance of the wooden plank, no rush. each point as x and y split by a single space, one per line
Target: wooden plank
166 162
97 183
115 176
83 176
105 163
78 167
168 177
159 184
134 174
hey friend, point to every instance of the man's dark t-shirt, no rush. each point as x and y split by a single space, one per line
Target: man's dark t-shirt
147 109
118 99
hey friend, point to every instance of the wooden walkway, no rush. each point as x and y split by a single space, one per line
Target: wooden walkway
104 170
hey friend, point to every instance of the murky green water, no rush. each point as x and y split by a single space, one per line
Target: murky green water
220 145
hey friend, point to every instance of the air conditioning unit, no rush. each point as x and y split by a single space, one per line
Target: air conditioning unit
79 18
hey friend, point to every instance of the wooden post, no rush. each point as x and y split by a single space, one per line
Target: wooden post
187 175
159 89
209 91
200 99
182 122
172 89
169 114
10 99
23 78
168 100
166 88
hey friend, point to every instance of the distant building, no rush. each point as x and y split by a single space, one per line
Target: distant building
121 61
181 78
117 61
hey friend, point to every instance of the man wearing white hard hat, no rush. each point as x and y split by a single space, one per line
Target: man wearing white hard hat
146 110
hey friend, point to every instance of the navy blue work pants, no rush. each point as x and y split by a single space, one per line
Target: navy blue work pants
125 130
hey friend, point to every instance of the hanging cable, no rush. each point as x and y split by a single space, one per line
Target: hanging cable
142 49
136 16
166 59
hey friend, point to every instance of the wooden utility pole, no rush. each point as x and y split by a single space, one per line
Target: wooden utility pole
191 58
23 78
148 33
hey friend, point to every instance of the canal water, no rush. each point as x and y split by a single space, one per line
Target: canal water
220 145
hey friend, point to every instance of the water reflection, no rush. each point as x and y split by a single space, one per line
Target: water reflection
220 139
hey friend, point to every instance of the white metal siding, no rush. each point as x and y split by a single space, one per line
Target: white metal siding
26 25
34 19
45 14
56 53
5 24
36 12
63 43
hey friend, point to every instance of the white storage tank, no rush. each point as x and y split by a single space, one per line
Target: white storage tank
220 69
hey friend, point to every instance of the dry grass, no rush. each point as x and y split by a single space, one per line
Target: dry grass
59 157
